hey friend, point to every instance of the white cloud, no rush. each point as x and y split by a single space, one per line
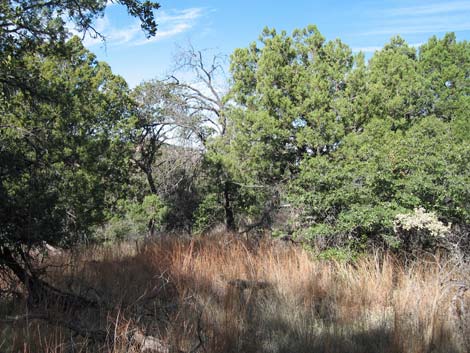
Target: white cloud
431 9
101 25
425 25
170 24
162 34
436 17
176 16
124 35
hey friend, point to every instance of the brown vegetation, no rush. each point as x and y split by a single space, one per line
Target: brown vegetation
228 295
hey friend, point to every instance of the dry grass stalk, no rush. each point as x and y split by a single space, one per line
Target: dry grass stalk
228 295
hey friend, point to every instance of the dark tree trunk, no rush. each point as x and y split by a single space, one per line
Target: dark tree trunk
153 189
151 228
151 181
229 217
7 258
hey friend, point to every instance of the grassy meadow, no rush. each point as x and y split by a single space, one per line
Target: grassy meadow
224 294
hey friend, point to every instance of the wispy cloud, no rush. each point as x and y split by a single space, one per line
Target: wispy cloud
432 24
434 17
173 23
431 9
162 34
170 24
180 15
113 35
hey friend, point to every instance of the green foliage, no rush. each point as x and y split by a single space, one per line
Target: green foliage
208 214
337 254
396 88
291 100
357 144
134 218
165 123
37 21
63 149
373 176
445 65
292 97
249 197
354 144
64 122
39 27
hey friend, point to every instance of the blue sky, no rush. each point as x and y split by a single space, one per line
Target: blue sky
225 25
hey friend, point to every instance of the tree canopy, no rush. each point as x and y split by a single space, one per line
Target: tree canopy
64 123
292 98
354 144
62 154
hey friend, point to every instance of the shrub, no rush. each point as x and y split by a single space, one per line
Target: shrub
136 219
420 230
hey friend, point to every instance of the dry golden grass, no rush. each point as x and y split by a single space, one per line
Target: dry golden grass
222 294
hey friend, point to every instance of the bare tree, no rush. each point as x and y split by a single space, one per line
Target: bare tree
186 110
204 95
163 151
205 89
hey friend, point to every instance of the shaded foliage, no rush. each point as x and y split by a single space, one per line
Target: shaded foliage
62 156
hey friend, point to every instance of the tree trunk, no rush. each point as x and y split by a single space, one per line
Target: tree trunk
6 257
151 181
229 217
151 228
153 189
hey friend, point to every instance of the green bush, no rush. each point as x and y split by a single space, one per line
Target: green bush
208 214
135 219
380 173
